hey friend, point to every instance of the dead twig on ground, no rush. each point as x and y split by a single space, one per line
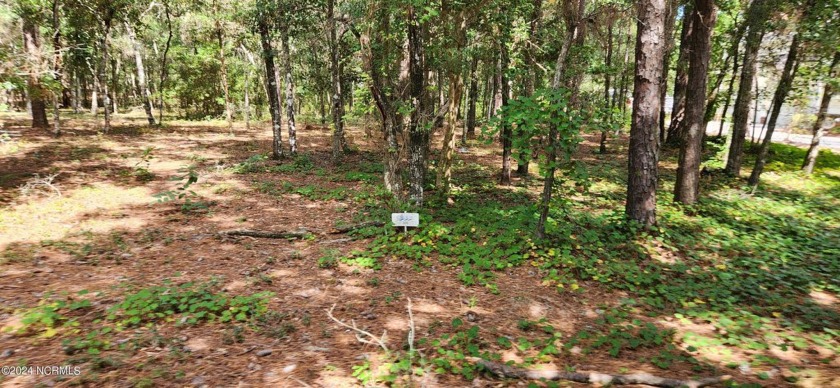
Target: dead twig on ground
350 228
361 334
37 184
508 371
297 233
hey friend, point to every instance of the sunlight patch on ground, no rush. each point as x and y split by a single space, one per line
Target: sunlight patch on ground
824 298
57 217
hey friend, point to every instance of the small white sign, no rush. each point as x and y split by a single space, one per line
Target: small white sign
406 219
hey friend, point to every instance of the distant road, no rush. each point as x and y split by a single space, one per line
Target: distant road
799 140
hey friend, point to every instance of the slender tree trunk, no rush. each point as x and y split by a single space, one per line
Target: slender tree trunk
471 102
817 129
507 131
116 66
76 93
676 129
574 35
94 94
729 91
58 69
644 142
35 90
290 93
533 73
687 187
713 98
782 90
145 94
163 65
223 67
624 76
670 21
247 102
756 17
602 147
271 89
339 143
103 70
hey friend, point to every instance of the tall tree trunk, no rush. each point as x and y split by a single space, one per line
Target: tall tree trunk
574 37
779 96
76 93
35 90
339 143
756 18
247 101
145 95
163 65
644 142
116 66
507 131
417 137
729 91
534 25
223 67
602 146
687 187
817 129
622 95
670 21
713 97
469 129
94 94
290 93
103 70
676 129
58 66
271 89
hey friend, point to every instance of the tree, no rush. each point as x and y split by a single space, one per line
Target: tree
220 37
563 78
35 69
817 129
687 187
339 143
757 15
644 142
264 32
145 94
676 128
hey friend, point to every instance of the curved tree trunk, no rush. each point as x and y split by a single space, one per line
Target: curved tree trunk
644 142
687 187
145 94
782 90
817 129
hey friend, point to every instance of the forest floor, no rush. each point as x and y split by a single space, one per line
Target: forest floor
98 270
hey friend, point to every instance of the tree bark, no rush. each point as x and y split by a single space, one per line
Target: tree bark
779 96
290 92
729 89
271 88
687 187
676 128
756 18
417 137
644 142
817 129
35 90
145 94
534 25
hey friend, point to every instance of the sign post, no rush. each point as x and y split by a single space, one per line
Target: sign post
405 220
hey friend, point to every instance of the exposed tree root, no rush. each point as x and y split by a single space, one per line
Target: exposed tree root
298 233
504 370
350 228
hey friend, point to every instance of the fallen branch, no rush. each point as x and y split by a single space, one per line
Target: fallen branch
360 334
350 228
298 233
507 371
